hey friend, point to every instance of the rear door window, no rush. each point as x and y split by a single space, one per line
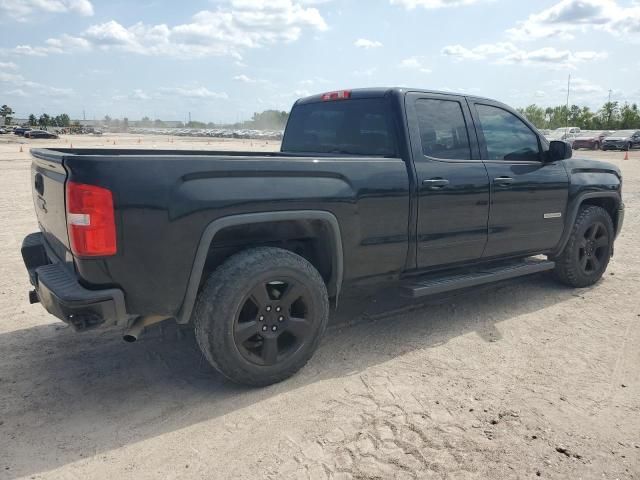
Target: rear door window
354 126
443 130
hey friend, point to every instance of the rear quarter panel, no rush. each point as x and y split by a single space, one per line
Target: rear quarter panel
164 203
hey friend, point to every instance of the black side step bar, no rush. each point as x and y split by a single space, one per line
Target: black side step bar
479 277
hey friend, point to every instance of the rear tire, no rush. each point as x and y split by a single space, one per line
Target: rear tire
261 315
596 146
588 250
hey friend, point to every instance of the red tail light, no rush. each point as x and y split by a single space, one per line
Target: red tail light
90 220
341 95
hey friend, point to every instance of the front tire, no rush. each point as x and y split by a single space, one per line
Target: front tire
596 146
261 315
588 250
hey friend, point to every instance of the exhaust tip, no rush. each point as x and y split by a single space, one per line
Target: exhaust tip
129 338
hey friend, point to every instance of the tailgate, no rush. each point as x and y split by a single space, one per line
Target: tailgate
48 187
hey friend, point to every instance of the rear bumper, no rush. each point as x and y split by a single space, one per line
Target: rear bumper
60 293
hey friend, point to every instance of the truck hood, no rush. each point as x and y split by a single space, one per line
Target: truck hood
576 165
616 138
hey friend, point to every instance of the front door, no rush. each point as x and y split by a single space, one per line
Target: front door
528 194
453 186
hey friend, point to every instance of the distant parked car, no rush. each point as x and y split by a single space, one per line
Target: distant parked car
568 134
622 140
40 134
21 131
3 131
590 139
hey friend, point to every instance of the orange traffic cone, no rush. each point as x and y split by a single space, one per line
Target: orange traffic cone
114 142
626 155
71 146
21 149
139 140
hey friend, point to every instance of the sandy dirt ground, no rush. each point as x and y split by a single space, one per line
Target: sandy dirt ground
525 379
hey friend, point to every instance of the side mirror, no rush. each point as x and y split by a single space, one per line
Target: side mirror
559 150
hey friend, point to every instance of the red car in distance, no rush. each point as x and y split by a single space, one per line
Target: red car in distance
590 139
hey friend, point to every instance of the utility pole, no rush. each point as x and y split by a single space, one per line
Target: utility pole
610 112
189 118
568 92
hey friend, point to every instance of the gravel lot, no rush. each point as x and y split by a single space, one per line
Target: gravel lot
523 379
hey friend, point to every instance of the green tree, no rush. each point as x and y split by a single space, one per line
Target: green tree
629 116
610 115
6 113
63 120
33 121
44 121
535 115
268 120
586 119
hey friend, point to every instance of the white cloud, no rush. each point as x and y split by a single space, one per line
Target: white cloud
193 92
240 25
567 17
32 88
431 4
26 10
244 79
367 72
63 44
364 43
415 63
508 53
18 92
140 95
8 66
137 94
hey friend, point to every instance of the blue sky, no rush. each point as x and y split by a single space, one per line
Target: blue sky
222 60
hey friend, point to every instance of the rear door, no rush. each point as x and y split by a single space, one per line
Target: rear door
453 186
528 195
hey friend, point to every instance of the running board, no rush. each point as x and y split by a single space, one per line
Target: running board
485 275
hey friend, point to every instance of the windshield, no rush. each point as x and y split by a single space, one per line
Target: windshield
357 127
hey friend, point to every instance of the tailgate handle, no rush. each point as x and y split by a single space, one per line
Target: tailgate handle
39 183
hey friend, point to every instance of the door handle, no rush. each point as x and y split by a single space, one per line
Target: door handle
435 183
504 181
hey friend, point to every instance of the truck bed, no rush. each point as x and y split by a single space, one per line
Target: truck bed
164 200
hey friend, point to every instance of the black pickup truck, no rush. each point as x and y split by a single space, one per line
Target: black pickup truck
424 191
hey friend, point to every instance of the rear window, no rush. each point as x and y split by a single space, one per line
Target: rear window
357 127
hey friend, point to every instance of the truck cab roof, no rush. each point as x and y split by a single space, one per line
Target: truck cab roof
379 92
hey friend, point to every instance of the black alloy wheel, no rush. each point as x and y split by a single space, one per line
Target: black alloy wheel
593 248
588 250
274 322
261 314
